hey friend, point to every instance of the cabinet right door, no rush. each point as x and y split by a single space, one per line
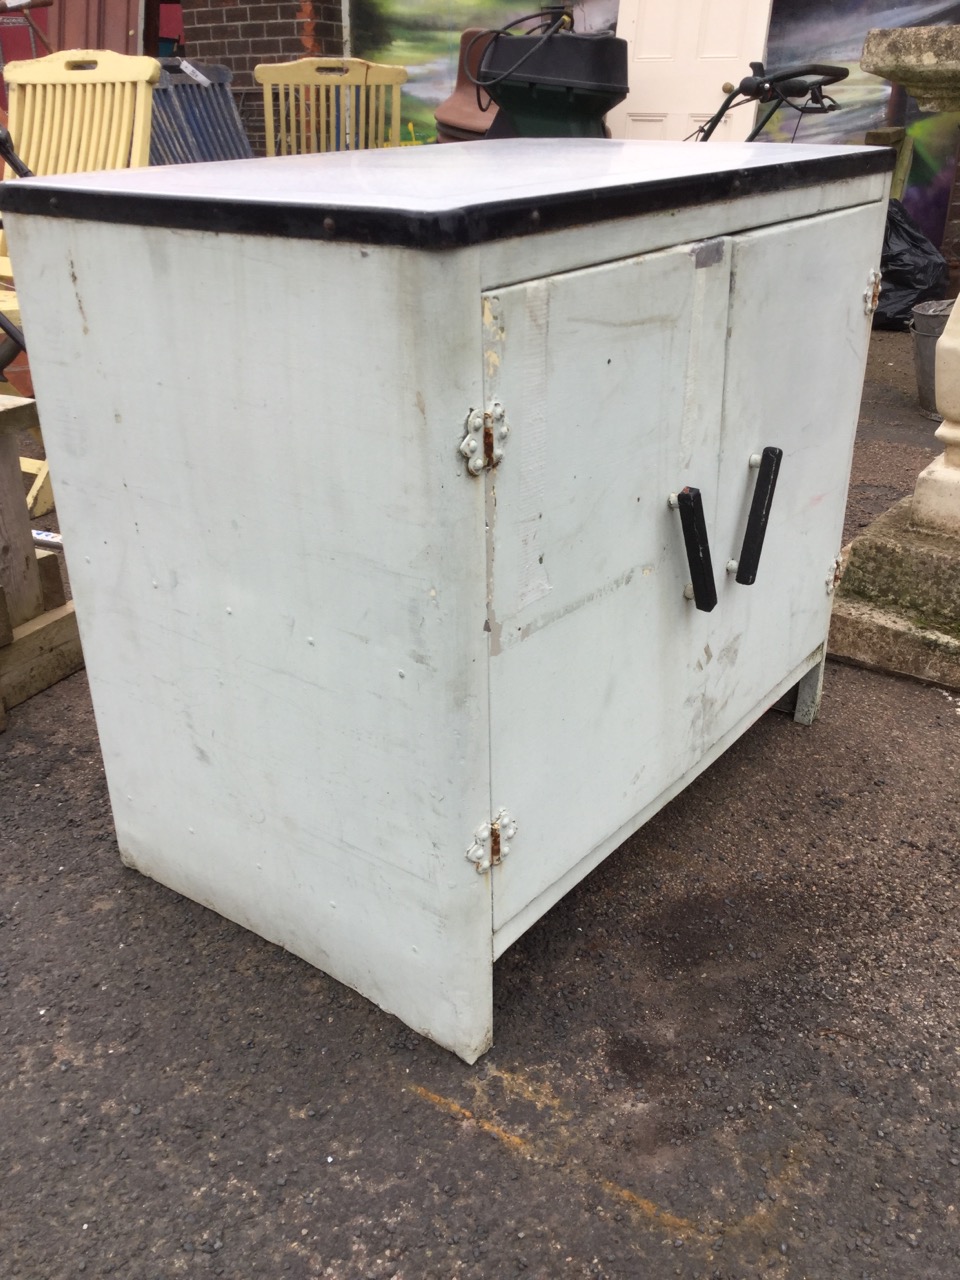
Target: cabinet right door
797 338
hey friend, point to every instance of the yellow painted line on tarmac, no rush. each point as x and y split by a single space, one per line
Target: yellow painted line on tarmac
519 1086
512 1140
650 1209
531 1150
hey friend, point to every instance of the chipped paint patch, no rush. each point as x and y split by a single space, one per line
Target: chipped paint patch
493 334
707 253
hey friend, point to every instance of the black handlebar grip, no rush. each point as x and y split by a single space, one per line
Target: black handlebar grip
792 88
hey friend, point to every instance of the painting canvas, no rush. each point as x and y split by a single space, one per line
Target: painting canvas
833 31
424 37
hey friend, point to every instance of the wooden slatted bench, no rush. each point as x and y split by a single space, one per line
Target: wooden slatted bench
39 641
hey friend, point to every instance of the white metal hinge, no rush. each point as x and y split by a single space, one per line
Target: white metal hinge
871 295
491 842
485 433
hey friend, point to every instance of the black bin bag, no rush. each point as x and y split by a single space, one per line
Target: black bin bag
913 270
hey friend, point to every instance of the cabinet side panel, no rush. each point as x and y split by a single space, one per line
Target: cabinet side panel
278 568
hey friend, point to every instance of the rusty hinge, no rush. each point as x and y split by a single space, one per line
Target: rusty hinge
485 433
871 296
491 842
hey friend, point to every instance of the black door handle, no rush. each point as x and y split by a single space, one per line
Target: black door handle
756 529
694 527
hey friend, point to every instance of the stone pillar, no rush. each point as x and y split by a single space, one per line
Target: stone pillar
925 61
898 606
936 499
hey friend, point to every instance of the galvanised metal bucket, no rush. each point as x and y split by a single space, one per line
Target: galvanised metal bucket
928 322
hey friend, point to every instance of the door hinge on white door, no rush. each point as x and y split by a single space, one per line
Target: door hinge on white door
485 432
491 842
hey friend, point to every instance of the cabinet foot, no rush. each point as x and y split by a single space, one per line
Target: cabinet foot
808 692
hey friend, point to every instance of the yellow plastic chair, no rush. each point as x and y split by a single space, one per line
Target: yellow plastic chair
72 112
330 104
80 110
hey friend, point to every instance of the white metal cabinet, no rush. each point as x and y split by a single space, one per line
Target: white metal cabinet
324 654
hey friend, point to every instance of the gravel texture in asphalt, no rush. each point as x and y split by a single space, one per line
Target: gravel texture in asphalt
732 1051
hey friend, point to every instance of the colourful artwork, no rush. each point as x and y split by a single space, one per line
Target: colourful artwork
833 31
424 37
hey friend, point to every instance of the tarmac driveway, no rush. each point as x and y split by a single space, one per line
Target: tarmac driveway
733 1051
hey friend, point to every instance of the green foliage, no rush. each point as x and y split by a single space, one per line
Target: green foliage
370 27
419 115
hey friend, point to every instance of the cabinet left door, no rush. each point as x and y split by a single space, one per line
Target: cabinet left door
610 383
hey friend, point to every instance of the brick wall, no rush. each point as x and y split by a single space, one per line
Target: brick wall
242 35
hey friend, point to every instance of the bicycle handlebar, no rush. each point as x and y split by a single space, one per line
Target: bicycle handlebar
9 156
774 88
794 82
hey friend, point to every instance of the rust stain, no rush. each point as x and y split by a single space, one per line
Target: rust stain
308 28
681 1225
488 442
495 856
519 1086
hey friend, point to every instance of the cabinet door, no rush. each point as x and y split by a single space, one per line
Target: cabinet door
610 381
797 346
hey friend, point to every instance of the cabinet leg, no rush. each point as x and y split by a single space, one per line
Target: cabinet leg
809 689
802 701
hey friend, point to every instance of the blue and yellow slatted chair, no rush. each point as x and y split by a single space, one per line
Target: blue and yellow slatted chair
330 104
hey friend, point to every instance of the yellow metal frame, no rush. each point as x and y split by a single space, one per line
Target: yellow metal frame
330 104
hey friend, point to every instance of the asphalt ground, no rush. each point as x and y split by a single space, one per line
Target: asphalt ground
732 1051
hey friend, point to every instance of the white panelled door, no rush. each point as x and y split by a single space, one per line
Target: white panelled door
680 56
